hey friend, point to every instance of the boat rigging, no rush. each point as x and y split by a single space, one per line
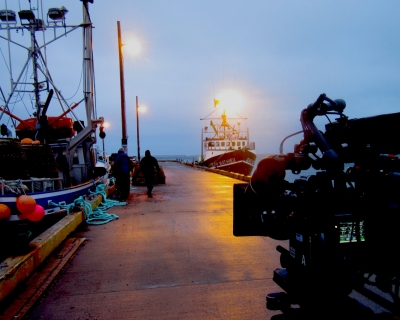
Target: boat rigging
64 134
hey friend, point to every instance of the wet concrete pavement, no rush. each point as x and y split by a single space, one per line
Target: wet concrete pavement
172 256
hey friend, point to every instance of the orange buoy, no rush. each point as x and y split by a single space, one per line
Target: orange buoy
36 215
26 204
26 141
36 142
5 212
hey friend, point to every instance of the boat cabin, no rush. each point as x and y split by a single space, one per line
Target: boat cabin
226 145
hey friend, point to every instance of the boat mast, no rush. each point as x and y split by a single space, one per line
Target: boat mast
34 57
31 24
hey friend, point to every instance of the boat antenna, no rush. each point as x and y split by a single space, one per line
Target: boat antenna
44 39
2 94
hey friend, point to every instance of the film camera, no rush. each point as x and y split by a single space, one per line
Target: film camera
341 221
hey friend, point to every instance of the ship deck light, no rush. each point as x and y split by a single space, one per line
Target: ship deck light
26 15
57 14
7 16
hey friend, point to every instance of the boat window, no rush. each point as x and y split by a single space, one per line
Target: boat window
217 144
211 144
222 144
233 143
243 143
228 144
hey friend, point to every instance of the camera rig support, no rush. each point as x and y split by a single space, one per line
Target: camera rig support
341 221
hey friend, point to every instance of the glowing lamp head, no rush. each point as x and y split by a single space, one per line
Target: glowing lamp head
231 100
133 46
141 109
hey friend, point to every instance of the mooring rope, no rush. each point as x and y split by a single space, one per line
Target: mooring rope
97 216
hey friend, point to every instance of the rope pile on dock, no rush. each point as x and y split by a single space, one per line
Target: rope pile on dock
97 216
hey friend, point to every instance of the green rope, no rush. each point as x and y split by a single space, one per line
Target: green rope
97 216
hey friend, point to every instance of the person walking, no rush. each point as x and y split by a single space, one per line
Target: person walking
147 165
122 172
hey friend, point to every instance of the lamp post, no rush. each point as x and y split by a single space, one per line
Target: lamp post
137 128
124 140
138 110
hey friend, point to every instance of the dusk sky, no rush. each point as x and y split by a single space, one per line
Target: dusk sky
277 56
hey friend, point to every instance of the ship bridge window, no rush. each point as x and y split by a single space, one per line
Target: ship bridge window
222 144
228 144
217 144
243 143
233 143
211 144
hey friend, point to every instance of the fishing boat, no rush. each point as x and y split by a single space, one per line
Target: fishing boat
226 146
54 158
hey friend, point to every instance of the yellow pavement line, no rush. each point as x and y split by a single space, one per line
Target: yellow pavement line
15 270
39 281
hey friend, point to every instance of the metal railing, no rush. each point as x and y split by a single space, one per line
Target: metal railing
33 185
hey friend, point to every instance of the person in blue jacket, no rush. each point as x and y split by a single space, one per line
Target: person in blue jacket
122 172
147 165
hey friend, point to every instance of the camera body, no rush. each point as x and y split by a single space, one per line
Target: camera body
341 220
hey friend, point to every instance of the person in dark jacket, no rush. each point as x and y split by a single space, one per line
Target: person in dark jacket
122 172
147 165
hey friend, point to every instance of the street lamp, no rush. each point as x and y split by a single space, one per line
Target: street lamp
138 109
124 140
134 48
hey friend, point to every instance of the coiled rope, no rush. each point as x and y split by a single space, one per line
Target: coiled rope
97 216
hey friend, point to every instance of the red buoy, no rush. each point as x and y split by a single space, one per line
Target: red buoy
37 215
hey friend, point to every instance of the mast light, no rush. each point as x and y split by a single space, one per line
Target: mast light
26 15
57 14
7 16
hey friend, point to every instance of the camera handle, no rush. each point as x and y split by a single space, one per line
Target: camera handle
322 106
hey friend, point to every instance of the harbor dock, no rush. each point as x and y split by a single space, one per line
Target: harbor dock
172 256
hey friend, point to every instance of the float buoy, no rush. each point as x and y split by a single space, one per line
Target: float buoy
36 142
26 204
26 141
5 212
36 215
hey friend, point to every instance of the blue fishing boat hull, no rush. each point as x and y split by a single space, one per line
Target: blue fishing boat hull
61 197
